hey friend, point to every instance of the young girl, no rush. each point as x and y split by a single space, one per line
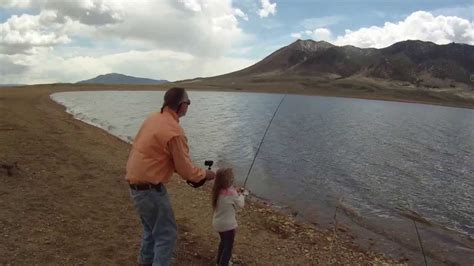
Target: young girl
225 200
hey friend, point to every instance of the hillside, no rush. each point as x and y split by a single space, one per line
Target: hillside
417 62
114 78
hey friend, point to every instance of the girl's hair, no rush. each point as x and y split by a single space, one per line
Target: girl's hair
223 180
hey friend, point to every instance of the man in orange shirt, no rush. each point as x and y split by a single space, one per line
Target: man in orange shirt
159 149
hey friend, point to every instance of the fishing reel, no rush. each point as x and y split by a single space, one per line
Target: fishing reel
207 163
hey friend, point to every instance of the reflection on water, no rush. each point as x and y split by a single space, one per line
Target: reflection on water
377 156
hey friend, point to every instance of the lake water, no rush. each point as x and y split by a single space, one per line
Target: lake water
376 158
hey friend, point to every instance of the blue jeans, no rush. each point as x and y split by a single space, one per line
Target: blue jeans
225 247
159 226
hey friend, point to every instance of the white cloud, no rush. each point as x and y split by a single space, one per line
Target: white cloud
21 34
164 39
239 13
296 35
320 34
90 12
48 66
9 66
419 25
242 50
207 27
320 22
54 24
267 9
15 3
193 5
466 11
170 25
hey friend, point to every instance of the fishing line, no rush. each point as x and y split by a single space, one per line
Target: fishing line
258 149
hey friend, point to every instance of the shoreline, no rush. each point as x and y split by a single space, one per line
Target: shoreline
254 88
261 229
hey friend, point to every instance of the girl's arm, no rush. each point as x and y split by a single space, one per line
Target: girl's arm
239 200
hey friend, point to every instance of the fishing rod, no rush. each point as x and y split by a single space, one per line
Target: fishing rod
416 229
209 163
261 141
419 241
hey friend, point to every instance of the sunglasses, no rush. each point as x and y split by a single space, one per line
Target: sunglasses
188 102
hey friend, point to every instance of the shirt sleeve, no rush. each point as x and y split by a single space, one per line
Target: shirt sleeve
179 150
239 200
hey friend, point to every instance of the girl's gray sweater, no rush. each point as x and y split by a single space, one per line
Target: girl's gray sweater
224 214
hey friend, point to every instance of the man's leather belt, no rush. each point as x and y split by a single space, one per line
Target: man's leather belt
146 186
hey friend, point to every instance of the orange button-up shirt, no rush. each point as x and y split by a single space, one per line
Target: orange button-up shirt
159 149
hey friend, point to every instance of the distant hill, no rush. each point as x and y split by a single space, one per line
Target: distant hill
417 62
11 85
114 78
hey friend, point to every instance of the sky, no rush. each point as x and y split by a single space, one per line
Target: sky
51 41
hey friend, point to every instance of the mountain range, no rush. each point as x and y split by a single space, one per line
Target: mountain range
115 78
416 62
422 64
407 71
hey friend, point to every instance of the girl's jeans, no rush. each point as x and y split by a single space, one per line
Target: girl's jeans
159 226
225 247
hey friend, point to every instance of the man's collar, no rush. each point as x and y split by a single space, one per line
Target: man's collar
172 113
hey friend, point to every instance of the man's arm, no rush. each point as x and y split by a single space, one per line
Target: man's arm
179 150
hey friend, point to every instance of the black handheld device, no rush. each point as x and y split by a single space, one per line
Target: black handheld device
207 163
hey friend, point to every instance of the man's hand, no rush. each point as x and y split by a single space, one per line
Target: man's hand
210 175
